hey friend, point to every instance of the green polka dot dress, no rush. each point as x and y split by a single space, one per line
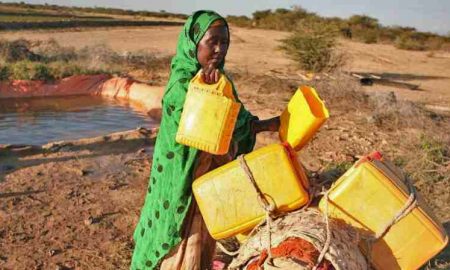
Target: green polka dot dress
169 191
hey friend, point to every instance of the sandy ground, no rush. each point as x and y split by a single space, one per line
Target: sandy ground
77 208
73 209
255 51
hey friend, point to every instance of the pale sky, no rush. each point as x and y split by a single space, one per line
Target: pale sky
425 15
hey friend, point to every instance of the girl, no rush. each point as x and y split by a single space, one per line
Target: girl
171 233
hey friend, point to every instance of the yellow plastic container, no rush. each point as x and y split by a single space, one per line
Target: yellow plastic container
368 196
209 116
228 201
302 118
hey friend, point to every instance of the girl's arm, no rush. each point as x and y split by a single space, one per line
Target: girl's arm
271 124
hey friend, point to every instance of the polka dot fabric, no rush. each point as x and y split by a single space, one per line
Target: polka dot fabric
169 192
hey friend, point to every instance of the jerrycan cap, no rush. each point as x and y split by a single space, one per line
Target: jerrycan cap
376 155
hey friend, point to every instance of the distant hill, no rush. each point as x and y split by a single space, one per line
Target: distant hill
72 10
16 16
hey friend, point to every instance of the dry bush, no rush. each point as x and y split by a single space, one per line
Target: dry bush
313 46
369 36
17 50
241 21
407 42
104 56
342 92
390 112
51 51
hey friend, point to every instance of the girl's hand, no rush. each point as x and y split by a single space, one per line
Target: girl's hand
210 75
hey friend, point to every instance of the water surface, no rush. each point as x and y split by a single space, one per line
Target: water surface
41 120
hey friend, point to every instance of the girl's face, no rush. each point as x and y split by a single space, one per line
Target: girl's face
213 47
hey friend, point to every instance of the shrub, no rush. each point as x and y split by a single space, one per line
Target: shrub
62 70
369 36
41 72
360 27
407 42
4 73
50 51
435 43
312 46
17 50
242 21
27 70
281 19
392 113
21 70
363 21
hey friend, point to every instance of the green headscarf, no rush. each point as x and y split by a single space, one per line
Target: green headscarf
169 191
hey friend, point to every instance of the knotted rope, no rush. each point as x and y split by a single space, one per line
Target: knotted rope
327 243
407 208
268 207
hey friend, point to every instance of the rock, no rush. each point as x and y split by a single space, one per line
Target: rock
62 267
371 119
85 172
3 259
53 252
89 221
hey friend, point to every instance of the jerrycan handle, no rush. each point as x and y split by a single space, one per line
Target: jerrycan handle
217 87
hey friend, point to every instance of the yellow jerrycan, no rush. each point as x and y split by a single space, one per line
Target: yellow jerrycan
303 116
374 194
209 116
231 204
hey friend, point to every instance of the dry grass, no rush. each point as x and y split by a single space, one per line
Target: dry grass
25 60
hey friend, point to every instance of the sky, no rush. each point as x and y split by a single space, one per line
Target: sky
429 15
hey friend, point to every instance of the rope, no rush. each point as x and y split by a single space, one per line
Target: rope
226 251
268 207
407 208
410 204
326 246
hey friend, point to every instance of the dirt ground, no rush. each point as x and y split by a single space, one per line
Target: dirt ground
76 208
255 51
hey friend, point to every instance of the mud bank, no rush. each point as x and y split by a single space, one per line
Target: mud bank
141 95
